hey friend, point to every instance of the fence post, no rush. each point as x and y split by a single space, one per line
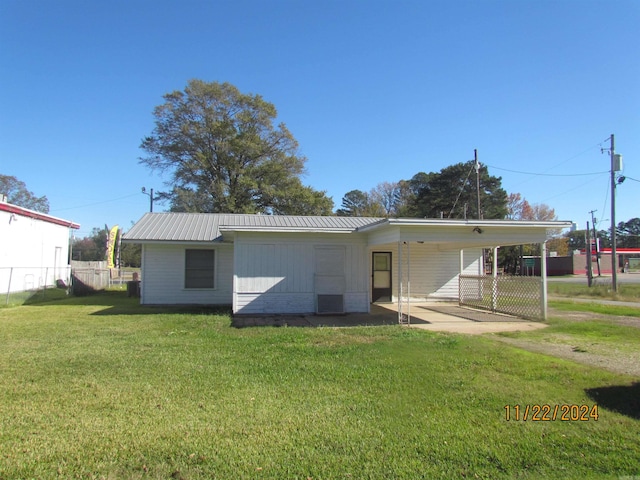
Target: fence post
543 275
494 283
44 287
9 286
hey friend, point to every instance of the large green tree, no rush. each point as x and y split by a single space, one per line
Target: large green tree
452 193
225 153
18 194
628 233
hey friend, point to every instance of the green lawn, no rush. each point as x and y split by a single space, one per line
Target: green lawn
99 387
594 307
626 292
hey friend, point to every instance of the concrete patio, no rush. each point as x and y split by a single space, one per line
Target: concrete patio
435 316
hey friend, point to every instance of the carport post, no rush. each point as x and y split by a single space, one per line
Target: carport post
543 275
494 282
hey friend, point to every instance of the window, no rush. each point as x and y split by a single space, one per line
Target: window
199 269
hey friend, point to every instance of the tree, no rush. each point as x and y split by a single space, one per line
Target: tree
387 196
357 203
17 194
628 233
452 193
92 248
225 154
576 239
518 208
560 245
131 255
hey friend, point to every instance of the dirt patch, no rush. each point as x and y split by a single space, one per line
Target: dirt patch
584 316
594 354
612 360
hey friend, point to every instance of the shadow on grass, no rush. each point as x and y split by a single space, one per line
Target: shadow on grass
162 310
335 321
623 399
119 303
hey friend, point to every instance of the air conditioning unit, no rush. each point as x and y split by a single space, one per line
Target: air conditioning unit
327 304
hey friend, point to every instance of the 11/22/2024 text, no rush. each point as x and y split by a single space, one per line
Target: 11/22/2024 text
551 413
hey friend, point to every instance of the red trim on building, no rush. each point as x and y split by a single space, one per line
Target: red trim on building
25 212
618 250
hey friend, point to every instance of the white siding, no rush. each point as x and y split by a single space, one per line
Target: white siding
163 276
33 252
434 272
276 273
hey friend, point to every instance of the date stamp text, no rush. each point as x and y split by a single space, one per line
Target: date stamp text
551 413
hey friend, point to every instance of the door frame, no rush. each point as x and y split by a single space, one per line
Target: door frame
388 294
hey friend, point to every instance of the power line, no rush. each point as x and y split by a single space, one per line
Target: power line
604 205
95 203
555 165
564 192
549 174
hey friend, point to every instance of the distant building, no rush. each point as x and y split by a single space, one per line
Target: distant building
34 248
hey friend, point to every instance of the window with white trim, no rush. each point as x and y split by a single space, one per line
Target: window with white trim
199 268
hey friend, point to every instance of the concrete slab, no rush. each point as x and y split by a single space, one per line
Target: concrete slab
448 317
441 317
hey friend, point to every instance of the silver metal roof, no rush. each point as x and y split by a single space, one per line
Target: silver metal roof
206 227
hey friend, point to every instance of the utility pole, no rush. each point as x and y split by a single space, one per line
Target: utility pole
595 240
144 190
614 257
475 156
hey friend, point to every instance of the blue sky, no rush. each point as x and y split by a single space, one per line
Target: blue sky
373 90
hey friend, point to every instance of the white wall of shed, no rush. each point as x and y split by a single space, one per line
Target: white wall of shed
163 268
434 271
28 252
275 273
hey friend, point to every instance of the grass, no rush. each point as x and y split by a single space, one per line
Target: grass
626 292
594 335
99 387
31 297
603 309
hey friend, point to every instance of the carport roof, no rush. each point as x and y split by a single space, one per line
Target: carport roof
460 233
464 223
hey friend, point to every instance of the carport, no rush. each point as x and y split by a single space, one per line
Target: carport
421 260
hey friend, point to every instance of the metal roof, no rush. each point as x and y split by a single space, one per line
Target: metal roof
206 227
25 212
209 227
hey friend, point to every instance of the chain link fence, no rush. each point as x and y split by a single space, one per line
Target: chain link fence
24 285
512 295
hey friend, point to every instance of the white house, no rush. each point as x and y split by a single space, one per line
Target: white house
262 264
34 248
